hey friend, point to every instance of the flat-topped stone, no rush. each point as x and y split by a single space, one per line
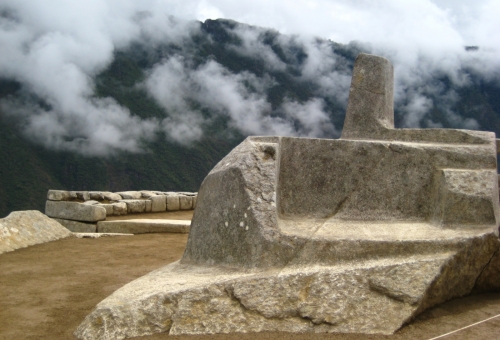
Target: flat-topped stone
143 226
99 235
130 194
75 211
58 195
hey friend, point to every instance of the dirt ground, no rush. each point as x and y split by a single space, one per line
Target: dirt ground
47 290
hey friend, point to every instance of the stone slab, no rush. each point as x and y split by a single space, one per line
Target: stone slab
185 202
96 195
78 227
173 203
91 202
130 194
99 235
109 208
75 211
21 229
58 195
158 203
147 193
110 196
143 226
119 208
134 205
82 195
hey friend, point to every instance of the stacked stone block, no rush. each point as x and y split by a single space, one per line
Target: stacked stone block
79 211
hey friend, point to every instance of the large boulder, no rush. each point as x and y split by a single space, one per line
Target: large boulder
356 235
26 228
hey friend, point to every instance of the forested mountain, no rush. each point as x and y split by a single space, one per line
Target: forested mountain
201 93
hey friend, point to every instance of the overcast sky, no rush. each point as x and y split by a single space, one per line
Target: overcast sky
55 47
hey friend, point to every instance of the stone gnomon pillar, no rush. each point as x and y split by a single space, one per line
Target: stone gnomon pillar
356 235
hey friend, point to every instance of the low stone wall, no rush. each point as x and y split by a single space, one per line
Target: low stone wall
79 211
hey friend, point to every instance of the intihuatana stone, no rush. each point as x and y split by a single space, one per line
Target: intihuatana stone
173 203
21 229
355 235
78 227
75 211
58 195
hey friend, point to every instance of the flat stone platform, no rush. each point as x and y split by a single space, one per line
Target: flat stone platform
144 226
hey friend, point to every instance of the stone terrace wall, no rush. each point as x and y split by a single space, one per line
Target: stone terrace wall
80 210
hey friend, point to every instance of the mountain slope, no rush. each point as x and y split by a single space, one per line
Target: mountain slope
281 82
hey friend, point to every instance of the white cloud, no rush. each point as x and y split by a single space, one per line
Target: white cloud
55 47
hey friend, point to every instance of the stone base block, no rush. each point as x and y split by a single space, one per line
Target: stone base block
372 297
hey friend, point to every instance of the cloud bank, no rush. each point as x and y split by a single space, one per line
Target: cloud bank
55 48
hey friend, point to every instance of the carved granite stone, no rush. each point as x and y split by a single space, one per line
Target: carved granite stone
355 235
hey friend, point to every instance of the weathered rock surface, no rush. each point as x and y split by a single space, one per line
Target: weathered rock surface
489 280
25 228
119 208
58 195
96 195
99 235
111 196
78 227
75 211
158 203
359 234
185 202
173 203
135 206
143 226
130 194
371 296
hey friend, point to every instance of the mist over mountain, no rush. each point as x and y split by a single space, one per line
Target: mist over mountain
159 107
